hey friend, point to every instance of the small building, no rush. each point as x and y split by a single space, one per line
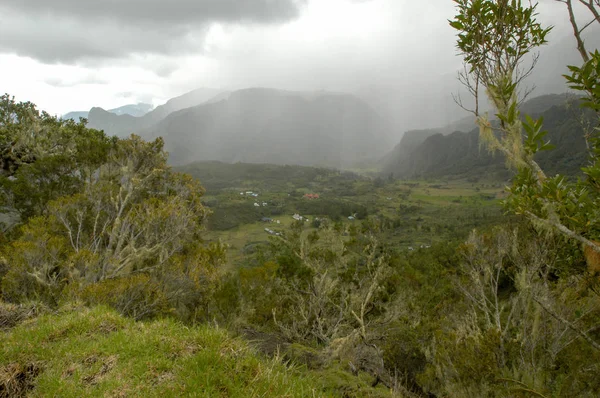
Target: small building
351 218
311 196
264 204
297 217
266 219
256 204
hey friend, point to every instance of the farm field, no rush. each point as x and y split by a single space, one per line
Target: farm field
407 214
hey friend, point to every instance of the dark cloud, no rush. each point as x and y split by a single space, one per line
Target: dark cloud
159 12
58 82
69 31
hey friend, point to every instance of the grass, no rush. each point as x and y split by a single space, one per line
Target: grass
238 238
98 353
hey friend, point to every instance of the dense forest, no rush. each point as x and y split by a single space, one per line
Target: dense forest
121 275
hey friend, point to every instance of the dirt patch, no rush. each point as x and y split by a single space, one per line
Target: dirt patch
11 315
106 327
268 344
164 378
107 365
89 361
17 380
184 352
58 335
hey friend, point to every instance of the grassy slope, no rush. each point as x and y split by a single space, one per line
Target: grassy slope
96 352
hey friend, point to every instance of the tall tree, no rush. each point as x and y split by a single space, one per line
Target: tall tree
496 40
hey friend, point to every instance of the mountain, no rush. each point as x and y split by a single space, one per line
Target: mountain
413 138
136 110
125 124
132 109
427 104
261 125
434 154
75 115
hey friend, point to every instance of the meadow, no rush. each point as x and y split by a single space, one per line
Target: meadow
407 214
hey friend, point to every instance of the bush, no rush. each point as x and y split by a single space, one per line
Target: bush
136 296
12 314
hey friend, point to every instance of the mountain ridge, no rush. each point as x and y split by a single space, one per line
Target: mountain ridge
261 125
137 110
125 124
434 154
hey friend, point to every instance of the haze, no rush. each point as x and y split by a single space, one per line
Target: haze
69 55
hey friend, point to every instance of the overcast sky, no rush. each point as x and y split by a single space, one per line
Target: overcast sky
67 55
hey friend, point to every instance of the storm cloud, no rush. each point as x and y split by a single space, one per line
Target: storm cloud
68 31
399 55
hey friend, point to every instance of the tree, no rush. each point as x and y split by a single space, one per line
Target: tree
132 215
496 39
43 157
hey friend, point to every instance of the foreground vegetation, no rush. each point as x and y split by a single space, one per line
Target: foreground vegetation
483 305
96 352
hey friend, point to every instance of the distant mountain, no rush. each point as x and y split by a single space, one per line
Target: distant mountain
136 110
434 153
413 138
75 115
426 104
272 126
132 109
125 124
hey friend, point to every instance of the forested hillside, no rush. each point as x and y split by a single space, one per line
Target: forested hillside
439 152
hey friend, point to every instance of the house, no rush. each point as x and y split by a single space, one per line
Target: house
264 204
256 204
266 219
297 217
311 196
351 218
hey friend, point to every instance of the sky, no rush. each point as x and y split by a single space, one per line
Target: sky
71 55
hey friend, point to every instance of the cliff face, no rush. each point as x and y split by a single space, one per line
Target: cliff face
459 153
